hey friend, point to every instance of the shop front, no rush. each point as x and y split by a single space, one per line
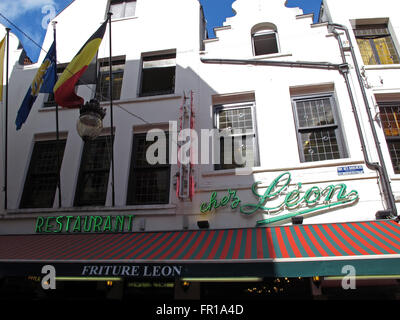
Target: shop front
253 262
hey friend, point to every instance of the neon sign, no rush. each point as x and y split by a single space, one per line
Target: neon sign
279 197
84 224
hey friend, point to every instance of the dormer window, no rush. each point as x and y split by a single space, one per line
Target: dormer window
122 9
264 39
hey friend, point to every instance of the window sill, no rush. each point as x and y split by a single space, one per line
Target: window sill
154 209
144 99
124 18
381 66
126 101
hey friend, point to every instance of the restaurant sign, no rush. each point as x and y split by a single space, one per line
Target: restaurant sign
151 271
280 201
84 224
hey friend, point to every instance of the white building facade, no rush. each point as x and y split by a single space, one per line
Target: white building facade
281 125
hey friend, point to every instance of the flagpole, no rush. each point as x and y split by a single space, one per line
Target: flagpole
57 125
111 114
6 124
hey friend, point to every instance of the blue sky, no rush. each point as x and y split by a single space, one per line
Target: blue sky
32 16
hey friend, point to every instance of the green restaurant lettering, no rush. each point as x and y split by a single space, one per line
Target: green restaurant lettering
84 224
314 199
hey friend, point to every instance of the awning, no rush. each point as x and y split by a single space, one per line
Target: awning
372 248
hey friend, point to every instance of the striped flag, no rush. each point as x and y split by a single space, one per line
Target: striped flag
2 51
64 90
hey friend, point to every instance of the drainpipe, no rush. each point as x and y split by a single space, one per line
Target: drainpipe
383 175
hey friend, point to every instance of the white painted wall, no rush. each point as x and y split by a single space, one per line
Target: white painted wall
381 81
175 25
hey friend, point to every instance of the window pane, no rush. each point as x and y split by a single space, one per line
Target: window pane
265 44
103 88
366 51
386 51
319 135
394 150
130 9
94 188
235 119
314 113
94 172
158 75
390 117
241 153
148 184
141 146
117 10
151 186
376 45
320 145
41 181
237 141
50 102
103 85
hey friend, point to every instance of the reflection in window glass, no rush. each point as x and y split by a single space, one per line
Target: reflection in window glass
317 128
390 119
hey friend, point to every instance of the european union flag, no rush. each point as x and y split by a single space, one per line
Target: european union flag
43 82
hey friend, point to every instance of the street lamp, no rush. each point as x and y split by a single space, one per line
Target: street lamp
90 122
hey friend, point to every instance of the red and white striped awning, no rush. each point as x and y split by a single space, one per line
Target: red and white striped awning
373 247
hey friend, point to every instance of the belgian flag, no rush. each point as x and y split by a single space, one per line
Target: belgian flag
2 50
64 89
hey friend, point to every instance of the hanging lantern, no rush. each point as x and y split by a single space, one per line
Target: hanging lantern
90 122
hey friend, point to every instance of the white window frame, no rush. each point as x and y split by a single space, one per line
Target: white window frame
336 126
262 32
124 8
233 106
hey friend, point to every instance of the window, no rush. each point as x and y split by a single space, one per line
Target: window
264 39
103 85
41 181
122 9
94 172
148 183
237 136
376 44
158 75
318 131
49 100
390 117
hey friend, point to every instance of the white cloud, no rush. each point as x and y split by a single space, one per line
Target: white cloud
13 9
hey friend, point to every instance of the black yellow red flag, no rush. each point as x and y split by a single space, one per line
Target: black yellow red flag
64 89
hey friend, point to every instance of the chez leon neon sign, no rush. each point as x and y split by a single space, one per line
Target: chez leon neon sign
279 197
